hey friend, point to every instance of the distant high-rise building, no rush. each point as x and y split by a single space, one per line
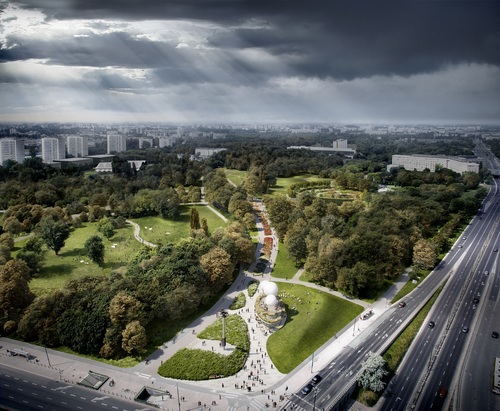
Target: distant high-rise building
11 149
53 148
77 146
116 142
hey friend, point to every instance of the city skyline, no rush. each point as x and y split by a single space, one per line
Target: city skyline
250 61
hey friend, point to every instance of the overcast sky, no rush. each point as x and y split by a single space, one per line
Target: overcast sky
264 61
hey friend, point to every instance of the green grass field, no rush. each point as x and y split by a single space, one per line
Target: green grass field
282 184
72 263
284 266
309 324
164 231
236 176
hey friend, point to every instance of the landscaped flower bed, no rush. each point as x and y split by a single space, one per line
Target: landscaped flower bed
265 224
268 246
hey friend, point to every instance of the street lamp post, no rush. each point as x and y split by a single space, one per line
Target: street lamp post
178 398
223 314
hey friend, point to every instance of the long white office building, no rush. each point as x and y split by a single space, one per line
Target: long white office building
421 162
77 146
11 149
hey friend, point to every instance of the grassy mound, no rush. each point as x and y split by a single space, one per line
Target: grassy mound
313 317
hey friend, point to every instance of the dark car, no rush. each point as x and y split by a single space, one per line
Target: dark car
465 329
307 389
475 300
495 250
494 334
443 392
402 304
317 378
431 324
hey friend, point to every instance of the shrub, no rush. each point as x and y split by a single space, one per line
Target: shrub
239 302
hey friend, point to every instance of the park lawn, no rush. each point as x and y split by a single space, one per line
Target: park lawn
68 264
236 176
284 266
309 324
162 231
282 183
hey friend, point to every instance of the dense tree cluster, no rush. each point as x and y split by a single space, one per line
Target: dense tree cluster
358 245
109 316
353 245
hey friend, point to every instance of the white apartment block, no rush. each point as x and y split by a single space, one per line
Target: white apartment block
77 146
117 143
420 162
167 141
53 148
11 149
203 153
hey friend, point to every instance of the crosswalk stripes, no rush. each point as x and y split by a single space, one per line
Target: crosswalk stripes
288 405
255 404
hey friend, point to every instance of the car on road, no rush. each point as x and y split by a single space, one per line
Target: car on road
486 272
475 300
431 324
494 334
495 250
317 378
465 329
307 389
460 245
402 304
443 392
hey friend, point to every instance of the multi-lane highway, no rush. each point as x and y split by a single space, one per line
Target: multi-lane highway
21 390
424 380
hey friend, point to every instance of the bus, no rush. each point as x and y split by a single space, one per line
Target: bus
496 376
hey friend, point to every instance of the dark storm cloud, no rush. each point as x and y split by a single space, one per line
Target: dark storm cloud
324 38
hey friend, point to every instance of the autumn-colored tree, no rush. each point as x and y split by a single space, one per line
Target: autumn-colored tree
124 308
218 266
134 338
15 294
424 255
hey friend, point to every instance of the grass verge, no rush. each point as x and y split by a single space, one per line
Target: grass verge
395 353
284 266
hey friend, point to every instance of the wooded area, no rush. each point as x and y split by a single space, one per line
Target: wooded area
357 245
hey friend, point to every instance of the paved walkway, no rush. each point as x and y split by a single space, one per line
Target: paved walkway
257 384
